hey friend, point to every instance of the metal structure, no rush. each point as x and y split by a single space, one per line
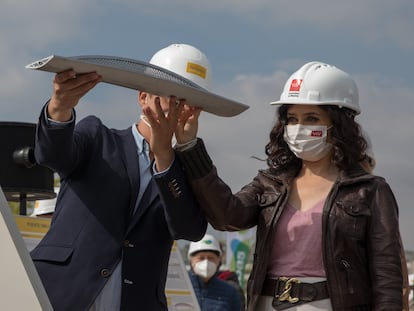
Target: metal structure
21 178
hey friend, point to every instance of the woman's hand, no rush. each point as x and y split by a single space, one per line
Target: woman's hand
187 126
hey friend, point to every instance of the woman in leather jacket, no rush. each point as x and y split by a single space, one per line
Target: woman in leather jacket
327 231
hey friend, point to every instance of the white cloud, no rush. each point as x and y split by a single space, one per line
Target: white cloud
27 29
31 29
371 21
35 23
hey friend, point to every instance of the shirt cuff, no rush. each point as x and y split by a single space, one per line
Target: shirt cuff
186 146
156 173
53 123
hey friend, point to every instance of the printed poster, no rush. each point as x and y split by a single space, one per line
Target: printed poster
239 247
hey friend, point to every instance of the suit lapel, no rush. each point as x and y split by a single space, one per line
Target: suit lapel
150 194
131 162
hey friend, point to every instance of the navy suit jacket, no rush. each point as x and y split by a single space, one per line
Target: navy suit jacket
94 226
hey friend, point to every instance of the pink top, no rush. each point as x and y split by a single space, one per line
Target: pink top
297 248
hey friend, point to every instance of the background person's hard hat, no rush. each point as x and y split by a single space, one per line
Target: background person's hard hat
42 207
187 61
317 83
207 243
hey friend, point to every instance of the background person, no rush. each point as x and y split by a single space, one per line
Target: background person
211 292
232 278
123 199
327 231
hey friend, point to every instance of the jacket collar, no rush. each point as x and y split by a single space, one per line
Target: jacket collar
286 175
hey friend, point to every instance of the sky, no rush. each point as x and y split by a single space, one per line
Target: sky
253 47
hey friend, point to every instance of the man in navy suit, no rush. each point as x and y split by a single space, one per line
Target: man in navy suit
123 199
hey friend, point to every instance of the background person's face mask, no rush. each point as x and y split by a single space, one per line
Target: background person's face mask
307 142
205 268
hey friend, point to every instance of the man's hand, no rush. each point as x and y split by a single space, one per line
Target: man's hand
68 88
162 130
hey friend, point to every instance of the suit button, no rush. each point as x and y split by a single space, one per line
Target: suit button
127 243
174 188
105 273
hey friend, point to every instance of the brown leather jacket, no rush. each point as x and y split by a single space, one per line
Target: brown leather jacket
361 239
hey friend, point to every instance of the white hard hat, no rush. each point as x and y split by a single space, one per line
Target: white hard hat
42 207
317 83
207 243
187 61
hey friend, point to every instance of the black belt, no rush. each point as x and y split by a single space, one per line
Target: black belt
289 292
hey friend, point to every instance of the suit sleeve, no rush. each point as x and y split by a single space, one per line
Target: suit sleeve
224 210
184 216
62 148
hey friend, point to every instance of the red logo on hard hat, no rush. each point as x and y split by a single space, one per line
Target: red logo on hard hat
295 85
316 133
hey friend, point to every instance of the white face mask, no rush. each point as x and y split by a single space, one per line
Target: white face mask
144 118
307 142
205 268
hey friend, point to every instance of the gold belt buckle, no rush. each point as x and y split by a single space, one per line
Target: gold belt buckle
285 295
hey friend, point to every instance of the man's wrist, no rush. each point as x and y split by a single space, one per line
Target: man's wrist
164 162
56 123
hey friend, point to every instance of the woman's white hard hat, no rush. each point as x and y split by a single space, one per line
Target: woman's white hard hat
317 83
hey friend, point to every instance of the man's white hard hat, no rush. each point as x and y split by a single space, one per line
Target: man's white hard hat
187 61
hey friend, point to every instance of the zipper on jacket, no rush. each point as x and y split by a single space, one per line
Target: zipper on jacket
348 269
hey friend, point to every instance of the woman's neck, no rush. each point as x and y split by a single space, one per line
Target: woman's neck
323 168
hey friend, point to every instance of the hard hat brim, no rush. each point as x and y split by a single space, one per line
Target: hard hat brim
314 102
142 76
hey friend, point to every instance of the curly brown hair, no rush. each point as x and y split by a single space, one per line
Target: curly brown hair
346 137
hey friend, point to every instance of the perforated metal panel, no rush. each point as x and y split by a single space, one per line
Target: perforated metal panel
142 76
136 66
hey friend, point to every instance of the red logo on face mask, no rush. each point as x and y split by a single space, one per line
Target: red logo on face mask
295 85
316 133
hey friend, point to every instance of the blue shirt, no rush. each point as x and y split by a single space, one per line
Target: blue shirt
215 295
